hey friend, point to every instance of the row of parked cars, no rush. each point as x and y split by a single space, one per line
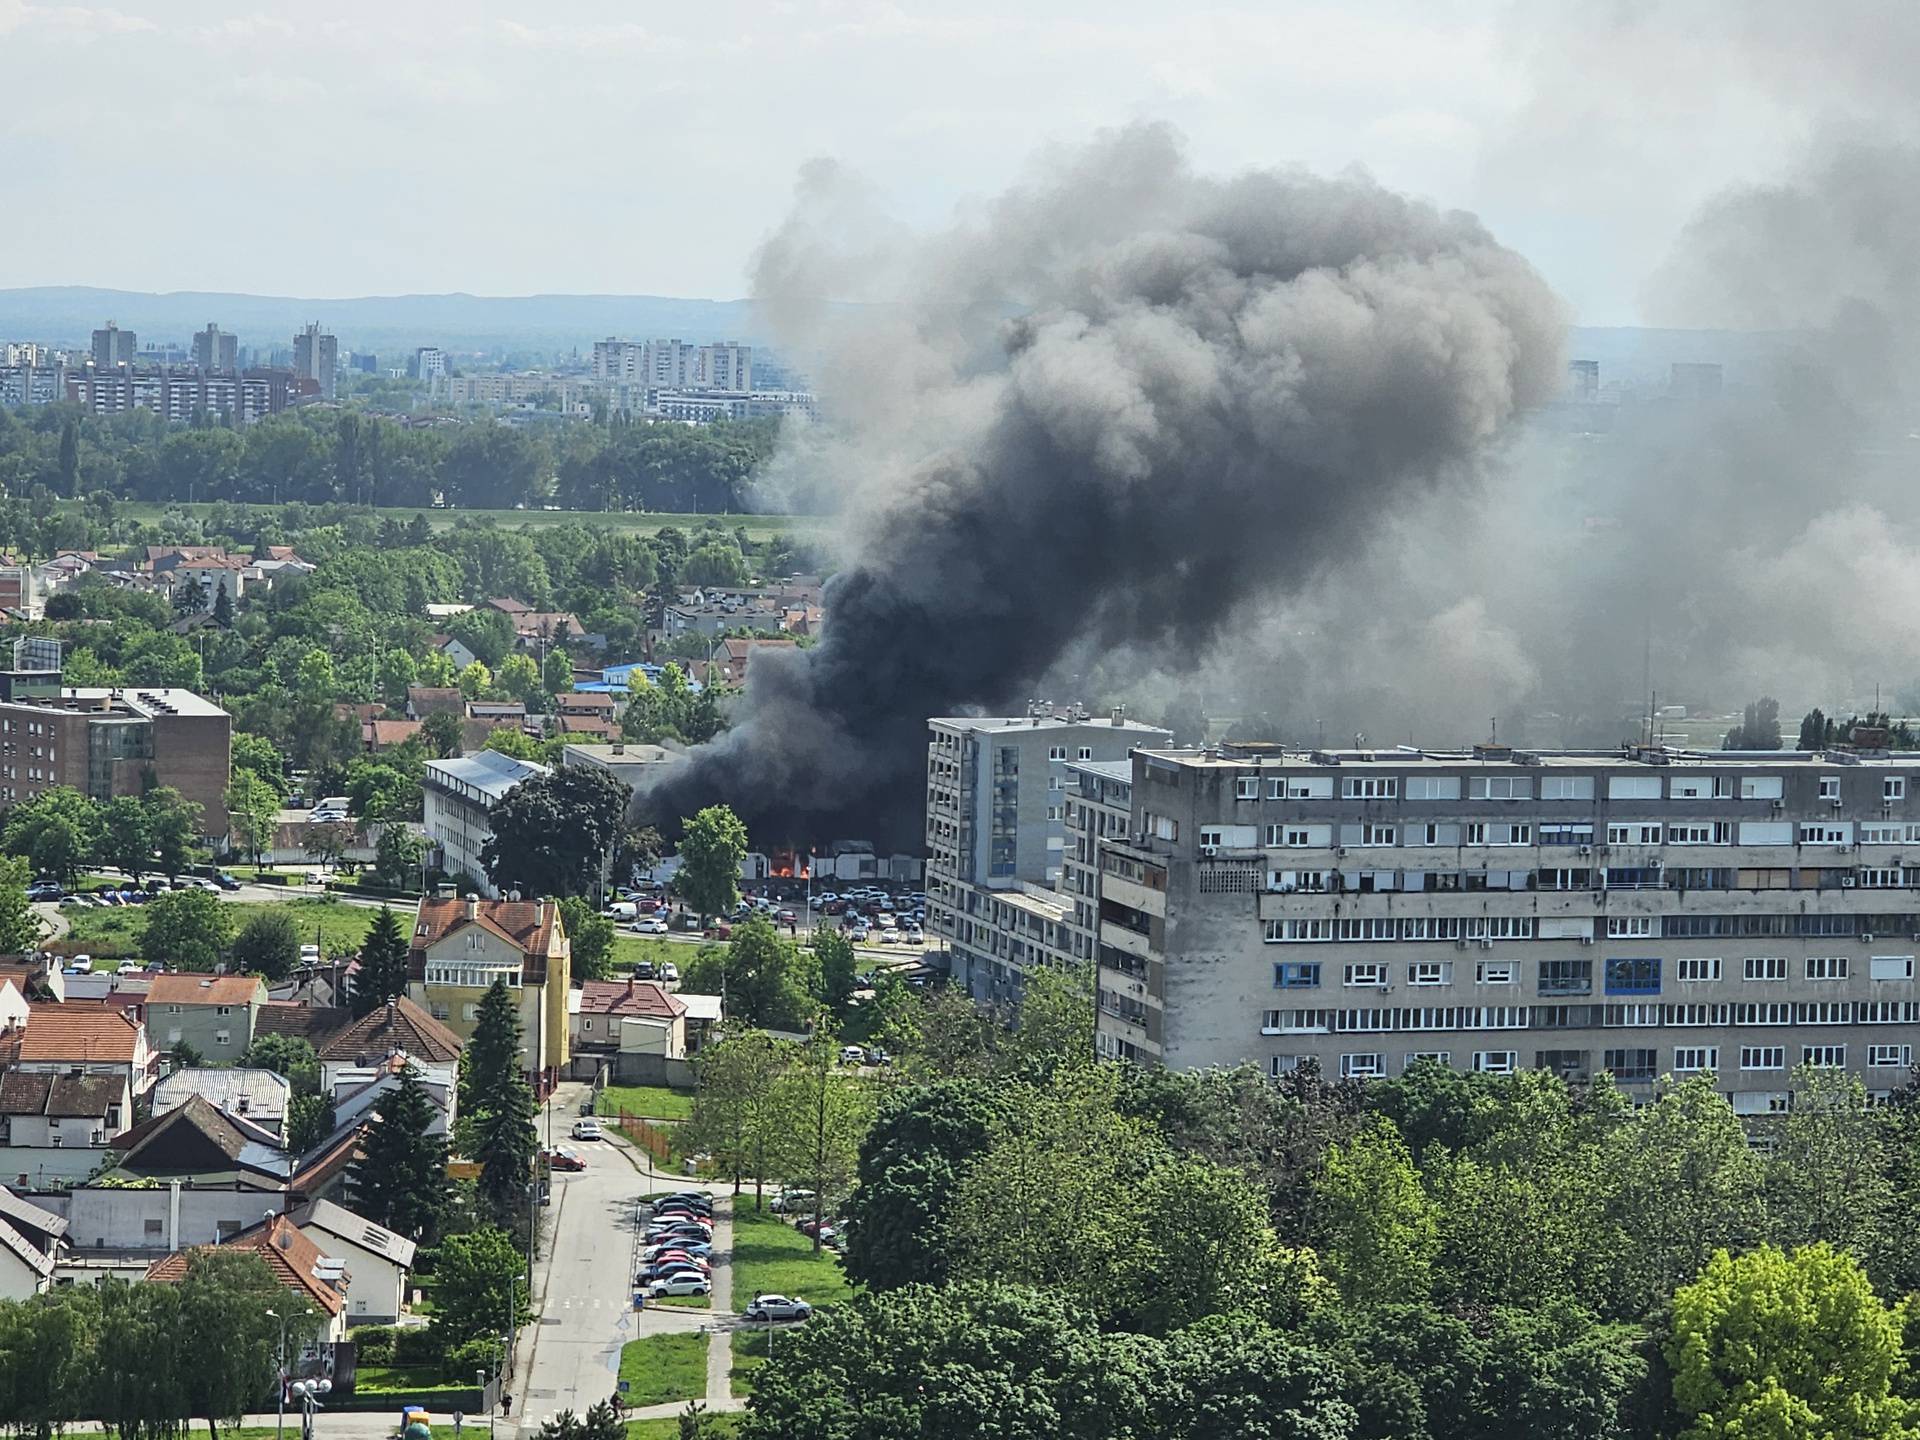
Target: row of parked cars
676 1253
126 892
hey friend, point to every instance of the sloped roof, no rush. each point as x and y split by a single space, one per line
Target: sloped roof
294 1259
400 1025
312 1023
382 733
252 1093
27 1092
29 1216
635 998
206 990
528 924
64 1032
38 1260
199 1126
355 1230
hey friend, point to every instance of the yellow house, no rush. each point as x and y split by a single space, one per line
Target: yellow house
462 944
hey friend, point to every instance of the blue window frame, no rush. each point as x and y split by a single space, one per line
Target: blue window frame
1633 976
1297 975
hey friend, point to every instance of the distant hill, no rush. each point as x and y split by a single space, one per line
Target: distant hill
384 324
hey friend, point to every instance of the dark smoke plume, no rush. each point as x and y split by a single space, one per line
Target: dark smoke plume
1203 391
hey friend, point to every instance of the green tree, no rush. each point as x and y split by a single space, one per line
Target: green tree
475 680
556 674
822 1119
19 926
309 1121
767 980
517 743
288 1055
441 731
1055 1023
188 929
712 845
1829 1176
227 1347
383 963
173 827
552 834
839 969
400 1179
326 845
124 840
478 1282
1379 1231
734 1114
1778 1346
397 855
259 755
591 935
497 1104
267 945
222 606
69 462
57 830
519 677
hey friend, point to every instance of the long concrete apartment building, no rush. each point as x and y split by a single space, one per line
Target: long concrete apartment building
996 839
1647 912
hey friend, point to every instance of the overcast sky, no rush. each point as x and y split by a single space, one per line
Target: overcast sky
350 148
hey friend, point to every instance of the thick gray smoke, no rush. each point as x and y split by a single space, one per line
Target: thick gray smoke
1200 392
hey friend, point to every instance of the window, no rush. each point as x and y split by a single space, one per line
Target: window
223 1010
470 1013
173 1036
1369 787
1374 836
1496 972
1761 787
1566 977
1764 967
1308 787
1566 787
1697 1015
1433 787
1816 833
1430 972
1211 837
1699 787
1633 976
1561 832
1500 787
1247 787
223 1037
1823 1012
1086 752
1761 1102
1630 927
1370 1066
1300 837
1296 974
1630 1066
1278 1065
1894 787
1824 1057
1697 969
1696 1059
1480 833
1881 1057
1633 787
1771 1014
1829 787
1826 967
1890 967
438 1011
1056 752
1305 1022
1494 1062
1298 931
1701 832
1763 1057
1375 974
1633 834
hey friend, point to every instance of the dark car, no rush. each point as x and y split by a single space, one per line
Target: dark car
44 890
565 1160
643 970
225 881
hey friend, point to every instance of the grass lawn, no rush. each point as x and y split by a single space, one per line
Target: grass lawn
770 1257
630 949
758 527
659 1369
402 1377
650 1102
267 1432
749 1354
665 1429
116 931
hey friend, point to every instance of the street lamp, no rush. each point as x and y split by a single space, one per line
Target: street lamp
280 1417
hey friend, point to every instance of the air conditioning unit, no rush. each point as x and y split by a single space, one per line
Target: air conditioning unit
1586 939
1586 850
1841 849
1486 944
1459 944
1341 852
1778 806
1385 989
1866 939
1846 882
1209 850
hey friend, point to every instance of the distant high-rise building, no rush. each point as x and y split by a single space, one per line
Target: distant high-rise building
216 349
37 652
113 347
1695 381
315 355
429 362
364 363
1583 380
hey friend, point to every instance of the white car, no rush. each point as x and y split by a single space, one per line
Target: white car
777 1307
588 1129
685 1283
669 971
650 925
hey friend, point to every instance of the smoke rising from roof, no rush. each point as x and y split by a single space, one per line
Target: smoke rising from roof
1118 404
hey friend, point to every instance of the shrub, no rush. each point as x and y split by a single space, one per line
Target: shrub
417 1345
374 1344
464 1362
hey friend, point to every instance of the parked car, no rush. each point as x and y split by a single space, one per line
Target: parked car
877 1056
643 970
309 954
79 965
827 1229
128 967
852 1055
669 971
792 1202
767 1308
587 1129
622 910
565 1160
859 935
681 1284
650 925
44 890
225 881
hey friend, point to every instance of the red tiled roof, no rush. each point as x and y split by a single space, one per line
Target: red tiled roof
402 1025
313 1023
205 990
636 998
61 1032
526 923
382 733
293 1258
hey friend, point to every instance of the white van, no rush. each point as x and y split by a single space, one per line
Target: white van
622 910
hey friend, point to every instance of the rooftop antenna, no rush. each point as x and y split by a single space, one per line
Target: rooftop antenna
1493 729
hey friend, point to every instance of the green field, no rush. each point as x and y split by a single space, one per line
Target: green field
758 527
666 1428
770 1257
649 1102
749 1354
659 1369
331 924
630 950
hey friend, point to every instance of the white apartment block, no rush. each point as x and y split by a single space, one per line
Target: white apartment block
996 836
1647 912
674 364
458 793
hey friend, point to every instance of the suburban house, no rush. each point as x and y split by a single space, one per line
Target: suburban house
56 1127
587 713
425 700
400 1027
462 945
357 1092
212 1014
90 1040
312 1275
377 1259
303 1020
379 735
199 1143
260 1097
609 1007
30 1244
14 1005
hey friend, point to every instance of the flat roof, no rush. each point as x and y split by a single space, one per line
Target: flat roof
1231 757
997 724
488 771
1121 770
610 754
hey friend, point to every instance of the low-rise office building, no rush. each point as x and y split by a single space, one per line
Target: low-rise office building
1647 912
458 794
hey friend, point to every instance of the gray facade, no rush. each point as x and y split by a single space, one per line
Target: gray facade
996 837
1647 913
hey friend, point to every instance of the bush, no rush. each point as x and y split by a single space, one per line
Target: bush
417 1345
373 1344
463 1362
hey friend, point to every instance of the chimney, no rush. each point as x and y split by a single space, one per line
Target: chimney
540 911
473 907
1118 715
630 984
393 1008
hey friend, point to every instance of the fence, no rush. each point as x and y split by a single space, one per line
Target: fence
654 1139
